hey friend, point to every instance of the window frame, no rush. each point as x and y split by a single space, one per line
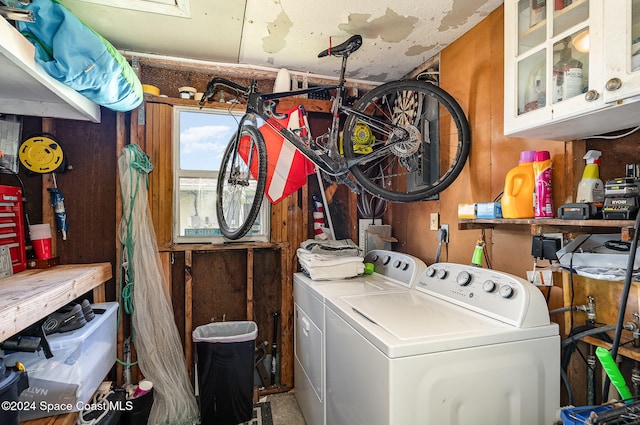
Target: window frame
178 173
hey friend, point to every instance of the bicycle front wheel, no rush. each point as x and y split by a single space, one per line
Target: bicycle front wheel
241 183
411 165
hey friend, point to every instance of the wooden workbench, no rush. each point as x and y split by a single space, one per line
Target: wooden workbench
31 295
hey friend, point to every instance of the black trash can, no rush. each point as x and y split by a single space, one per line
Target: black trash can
225 355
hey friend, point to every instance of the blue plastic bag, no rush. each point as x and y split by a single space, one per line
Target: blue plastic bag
77 56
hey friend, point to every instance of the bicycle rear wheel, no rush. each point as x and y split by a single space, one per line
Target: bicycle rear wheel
241 183
413 168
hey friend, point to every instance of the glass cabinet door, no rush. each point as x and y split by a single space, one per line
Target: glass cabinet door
553 62
622 49
531 52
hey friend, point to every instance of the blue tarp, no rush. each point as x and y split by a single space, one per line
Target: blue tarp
77 56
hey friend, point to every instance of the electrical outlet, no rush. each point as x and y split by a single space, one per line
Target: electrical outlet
433 222
445 227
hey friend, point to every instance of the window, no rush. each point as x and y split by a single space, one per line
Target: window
200 138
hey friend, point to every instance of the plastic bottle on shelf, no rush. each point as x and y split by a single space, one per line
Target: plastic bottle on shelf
519 186
567 75
542 168
591 188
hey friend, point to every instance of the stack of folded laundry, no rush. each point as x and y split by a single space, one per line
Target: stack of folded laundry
329 260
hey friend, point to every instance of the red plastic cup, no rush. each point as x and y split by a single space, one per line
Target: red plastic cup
42 248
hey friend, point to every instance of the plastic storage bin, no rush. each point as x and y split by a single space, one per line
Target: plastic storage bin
81 360
225 356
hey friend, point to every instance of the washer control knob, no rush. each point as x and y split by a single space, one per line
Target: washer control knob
431 272
463 278
397 264
386 259
405 266
489 285
442 274
374 258
506 291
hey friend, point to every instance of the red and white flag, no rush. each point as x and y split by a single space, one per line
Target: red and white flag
287 168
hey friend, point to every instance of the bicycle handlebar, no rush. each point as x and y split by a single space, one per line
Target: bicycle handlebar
211 88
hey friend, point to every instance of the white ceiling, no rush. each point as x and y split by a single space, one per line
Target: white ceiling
398 36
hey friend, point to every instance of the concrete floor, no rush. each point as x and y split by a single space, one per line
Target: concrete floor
284 409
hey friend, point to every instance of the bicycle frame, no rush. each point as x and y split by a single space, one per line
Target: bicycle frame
391 144
328 160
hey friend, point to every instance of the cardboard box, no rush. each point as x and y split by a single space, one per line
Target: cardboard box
363 224
81 360
466 210
489 210
378 237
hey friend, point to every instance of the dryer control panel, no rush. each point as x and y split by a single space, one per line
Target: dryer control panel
496 294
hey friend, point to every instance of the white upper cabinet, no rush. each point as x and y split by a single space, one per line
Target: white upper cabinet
571 67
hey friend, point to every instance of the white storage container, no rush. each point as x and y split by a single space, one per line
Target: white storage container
592 256
81 360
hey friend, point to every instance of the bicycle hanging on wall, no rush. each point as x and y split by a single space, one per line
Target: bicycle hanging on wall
403 141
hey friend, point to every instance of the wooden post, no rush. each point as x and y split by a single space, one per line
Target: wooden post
250 255
188 310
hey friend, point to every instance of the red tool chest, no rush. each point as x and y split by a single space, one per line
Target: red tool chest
12 226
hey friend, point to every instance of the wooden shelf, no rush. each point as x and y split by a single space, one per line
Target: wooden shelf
626 351
220 246
553 225
31 295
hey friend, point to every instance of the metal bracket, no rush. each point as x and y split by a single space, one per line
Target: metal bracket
16 14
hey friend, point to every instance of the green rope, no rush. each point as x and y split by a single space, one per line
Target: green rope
140 164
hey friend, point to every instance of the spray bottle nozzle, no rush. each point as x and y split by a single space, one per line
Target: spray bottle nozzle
592 157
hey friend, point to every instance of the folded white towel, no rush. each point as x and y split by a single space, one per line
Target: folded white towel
311 260
340 248
341 271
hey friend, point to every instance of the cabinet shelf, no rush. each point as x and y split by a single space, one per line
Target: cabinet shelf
553 225
26 88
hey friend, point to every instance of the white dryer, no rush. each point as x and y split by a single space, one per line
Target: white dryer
394 272
466 346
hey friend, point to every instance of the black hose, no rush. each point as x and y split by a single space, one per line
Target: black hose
563 310
567 385
592 331
623 300
568 346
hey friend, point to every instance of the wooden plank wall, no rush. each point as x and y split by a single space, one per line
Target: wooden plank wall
158 145
215 283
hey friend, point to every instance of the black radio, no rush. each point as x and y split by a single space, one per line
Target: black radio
621 198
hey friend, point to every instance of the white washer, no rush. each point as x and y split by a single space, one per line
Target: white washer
394 272
466 346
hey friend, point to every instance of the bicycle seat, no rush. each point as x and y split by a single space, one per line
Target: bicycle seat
343 49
